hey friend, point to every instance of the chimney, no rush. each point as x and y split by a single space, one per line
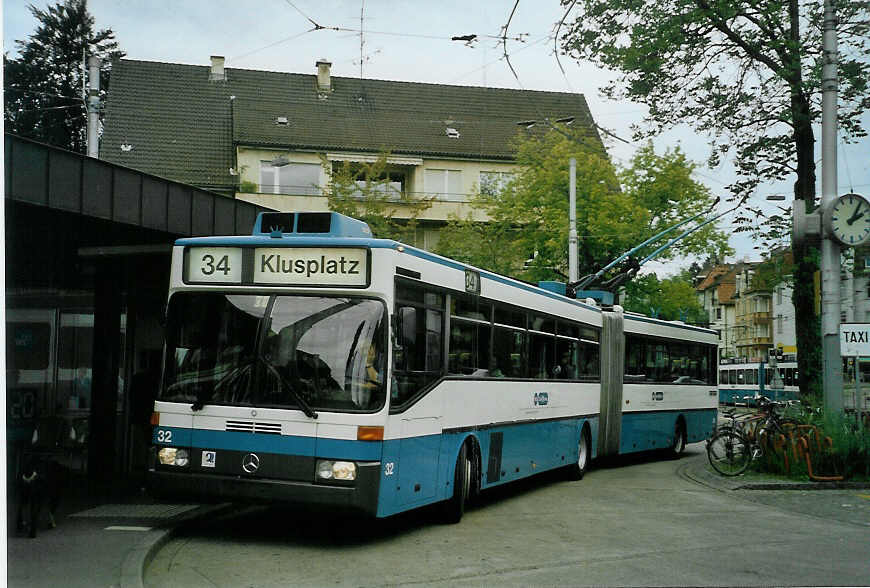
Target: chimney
324 84
217 73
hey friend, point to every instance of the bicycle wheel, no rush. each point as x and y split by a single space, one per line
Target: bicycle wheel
729 453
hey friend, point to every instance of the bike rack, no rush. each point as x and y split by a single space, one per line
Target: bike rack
802 445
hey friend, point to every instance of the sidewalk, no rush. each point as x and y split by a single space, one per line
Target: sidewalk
104 537
699 470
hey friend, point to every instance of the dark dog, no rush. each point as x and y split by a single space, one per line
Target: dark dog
40 485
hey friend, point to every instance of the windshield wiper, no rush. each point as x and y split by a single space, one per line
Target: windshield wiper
306 408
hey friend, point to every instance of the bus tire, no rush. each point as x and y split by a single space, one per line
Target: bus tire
577 470
679 443
454 507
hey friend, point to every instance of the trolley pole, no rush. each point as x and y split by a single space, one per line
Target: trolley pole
832 368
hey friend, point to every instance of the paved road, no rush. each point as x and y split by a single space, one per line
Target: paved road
643 522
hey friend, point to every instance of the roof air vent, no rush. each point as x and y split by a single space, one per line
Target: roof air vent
282 121
452 133
326 224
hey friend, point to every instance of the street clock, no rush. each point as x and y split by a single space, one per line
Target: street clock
848 219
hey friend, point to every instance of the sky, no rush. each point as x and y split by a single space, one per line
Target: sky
410 41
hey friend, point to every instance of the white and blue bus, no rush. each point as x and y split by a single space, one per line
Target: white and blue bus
310 363
739 381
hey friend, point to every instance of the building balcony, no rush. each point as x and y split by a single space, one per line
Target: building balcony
758 317
753 341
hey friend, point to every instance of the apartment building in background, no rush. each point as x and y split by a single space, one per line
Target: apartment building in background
264 137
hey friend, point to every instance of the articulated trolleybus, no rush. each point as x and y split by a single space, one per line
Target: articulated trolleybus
740 381
310 363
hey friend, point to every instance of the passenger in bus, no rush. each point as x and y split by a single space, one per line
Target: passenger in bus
565 370
372 377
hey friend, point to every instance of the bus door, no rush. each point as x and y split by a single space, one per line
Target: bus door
417 361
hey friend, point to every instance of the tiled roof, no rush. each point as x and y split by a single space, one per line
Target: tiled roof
721 277
170 120
712 276
726 290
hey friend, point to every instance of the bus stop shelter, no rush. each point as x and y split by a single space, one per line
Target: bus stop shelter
87 268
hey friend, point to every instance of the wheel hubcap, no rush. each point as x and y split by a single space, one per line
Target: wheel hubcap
581 458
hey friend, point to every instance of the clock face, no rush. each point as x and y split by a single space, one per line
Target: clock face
850 220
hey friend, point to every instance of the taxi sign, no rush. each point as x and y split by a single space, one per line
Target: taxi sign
855 339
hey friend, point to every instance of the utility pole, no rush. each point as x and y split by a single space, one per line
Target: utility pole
832 368
573 263
94 63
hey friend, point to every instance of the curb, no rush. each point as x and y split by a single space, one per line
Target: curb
804 486
696 471
138 558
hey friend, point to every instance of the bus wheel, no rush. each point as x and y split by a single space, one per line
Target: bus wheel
584 454
454 507
679 444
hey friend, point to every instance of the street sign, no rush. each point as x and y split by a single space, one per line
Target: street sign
855 339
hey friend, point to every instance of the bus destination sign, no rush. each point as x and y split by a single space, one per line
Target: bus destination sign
214 265
313 266
286 266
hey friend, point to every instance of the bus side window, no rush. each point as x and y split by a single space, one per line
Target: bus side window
418 344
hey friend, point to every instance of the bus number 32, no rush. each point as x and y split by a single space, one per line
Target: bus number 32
209 267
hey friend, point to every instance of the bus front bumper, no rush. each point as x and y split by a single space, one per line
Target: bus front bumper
362 497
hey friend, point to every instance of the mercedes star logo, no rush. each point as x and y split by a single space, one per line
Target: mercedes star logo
251 463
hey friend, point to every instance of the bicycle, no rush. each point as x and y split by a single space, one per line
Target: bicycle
733 446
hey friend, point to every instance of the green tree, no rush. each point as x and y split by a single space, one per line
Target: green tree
368 192
616 210
748 74
43 97
672 299
489 245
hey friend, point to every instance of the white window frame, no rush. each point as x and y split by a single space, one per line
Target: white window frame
442 191
275 186
498 180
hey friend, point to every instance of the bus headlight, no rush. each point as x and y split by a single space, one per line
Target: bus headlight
344 471
173 456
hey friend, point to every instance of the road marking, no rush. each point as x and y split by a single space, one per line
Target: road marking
126 528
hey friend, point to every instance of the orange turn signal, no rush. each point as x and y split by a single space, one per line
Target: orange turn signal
369 433
155 418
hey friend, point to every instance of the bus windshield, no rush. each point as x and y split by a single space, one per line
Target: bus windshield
304 352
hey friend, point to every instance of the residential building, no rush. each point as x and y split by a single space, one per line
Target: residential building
716 293
752 314
783 316
273 138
